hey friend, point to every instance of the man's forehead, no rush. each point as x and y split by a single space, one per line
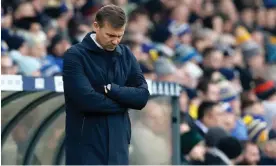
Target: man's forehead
114 31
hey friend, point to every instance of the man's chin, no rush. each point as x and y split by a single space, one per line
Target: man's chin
110 49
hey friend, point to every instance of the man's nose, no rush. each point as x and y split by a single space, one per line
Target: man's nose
115 42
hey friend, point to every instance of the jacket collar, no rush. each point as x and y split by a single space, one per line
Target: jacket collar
89 44
201 126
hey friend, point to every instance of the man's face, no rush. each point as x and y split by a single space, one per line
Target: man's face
228 121
252 154
107 36
228 61
270 148
213 92
247 16
181 13
256 62
216 59
214 117
61 47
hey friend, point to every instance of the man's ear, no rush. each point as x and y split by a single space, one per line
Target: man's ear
96 26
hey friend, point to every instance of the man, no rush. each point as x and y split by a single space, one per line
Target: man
265 90
213 58
209 115
251 154
165 70
208 90
102 79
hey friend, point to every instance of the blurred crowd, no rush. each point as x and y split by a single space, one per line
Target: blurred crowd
222 52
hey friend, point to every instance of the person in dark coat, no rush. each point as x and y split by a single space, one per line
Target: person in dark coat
101 80
209 113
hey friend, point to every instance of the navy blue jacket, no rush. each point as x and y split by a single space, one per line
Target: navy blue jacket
98 128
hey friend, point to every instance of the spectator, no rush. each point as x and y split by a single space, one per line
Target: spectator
186 53
269 153
20 54
258 133
254 58
231 147
139 21
214 155
48 64
165 69
213 58
209 115
214 135
195 150
57 48
251 154
207 91
266 92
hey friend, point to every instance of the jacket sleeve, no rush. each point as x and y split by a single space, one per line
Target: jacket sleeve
135 94
79 90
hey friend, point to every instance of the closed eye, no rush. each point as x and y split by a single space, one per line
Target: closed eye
113 36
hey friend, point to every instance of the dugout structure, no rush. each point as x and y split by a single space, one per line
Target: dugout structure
33 122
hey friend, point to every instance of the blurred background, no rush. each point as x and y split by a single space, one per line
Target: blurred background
221 52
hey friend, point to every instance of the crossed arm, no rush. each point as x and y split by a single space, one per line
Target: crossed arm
80 92
135 94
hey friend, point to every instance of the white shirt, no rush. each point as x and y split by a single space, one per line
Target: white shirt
201 126
93 36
